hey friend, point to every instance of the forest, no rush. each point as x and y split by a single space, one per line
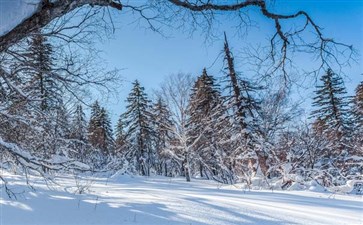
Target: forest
234 112
226 128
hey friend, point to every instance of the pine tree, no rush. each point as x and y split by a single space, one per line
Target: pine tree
332 114
331 108
100 131
121 144
205 110
78 129
358 109
78 135
162 127
44 103
62 122
42 85
355 169
94 124
357 124
139 130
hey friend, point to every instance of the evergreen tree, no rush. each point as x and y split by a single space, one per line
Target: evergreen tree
139 130
358 109
44 102
205 109
357 113
41 83
62 123
100 131
162 126
121 144
331 108
332 114
78 129
78 135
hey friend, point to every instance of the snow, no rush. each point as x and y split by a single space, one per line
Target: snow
159 200
13 12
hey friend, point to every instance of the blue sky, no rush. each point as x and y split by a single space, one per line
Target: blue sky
148 57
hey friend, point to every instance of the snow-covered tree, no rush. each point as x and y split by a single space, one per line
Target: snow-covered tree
120 141
242 103
162 127
355 160
80 148
138 125
176 91
331 112
332 121
62 122
42 87
100 132
206 113
79 124
358 109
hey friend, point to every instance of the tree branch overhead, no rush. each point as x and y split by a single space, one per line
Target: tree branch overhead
46 12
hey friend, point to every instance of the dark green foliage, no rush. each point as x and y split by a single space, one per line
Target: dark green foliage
42 85
162 128
206 124
139 133
100 131
79 125
358 108
331 106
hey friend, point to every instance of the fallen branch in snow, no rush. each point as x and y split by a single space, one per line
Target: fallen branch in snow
25 160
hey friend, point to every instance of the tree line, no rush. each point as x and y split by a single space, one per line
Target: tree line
228 129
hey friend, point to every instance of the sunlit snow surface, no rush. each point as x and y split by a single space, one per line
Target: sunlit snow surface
12 12
160 200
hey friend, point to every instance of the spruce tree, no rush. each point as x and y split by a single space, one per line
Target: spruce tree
139 131
62 122
332 121
121 145
331 108
100 131
355 162
41 82
358 109
204 100
44 102
162 128
357 120
78 135
78 129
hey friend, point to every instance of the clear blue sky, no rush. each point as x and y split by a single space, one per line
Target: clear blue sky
148 57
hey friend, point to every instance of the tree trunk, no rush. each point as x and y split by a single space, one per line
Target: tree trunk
201 169
186 170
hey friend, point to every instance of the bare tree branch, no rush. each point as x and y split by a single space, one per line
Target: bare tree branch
284 41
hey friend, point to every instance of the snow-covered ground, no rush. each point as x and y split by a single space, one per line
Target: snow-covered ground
160 200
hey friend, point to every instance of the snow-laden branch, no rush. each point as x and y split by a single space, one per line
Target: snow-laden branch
46 12
28 161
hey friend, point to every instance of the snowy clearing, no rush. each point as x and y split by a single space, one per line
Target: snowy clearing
160 200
